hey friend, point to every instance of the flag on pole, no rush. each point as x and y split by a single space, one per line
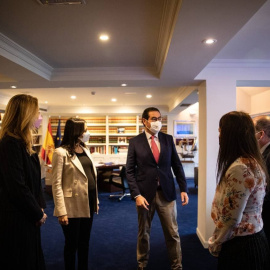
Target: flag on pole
48 146
58 138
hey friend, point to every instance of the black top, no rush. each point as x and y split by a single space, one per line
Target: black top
88 169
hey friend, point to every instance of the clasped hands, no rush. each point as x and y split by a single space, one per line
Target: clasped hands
42 220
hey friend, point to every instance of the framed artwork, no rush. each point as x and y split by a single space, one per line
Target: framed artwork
184 129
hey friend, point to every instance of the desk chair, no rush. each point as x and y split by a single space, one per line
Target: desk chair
119 180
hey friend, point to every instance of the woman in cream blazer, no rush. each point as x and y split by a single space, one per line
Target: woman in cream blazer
75 193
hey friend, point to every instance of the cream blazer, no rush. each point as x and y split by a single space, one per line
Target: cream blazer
70 185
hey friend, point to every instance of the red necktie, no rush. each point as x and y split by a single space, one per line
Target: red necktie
154 148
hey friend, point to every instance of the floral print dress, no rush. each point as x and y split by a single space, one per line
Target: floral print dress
237 205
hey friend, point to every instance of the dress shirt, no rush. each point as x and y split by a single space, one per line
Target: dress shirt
149 137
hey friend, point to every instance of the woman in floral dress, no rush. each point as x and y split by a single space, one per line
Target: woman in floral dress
238 240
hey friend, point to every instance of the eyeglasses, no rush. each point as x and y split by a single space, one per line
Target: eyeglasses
154 119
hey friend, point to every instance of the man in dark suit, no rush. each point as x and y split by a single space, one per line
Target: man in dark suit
151 158
262 127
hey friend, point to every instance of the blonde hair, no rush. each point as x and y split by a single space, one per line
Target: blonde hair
18 121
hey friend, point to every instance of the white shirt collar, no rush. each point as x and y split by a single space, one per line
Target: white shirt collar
148 135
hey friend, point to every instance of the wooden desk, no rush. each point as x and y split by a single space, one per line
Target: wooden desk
103 174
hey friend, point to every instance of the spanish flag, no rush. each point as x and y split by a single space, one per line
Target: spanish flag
48 146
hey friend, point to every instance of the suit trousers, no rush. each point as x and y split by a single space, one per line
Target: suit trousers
167 213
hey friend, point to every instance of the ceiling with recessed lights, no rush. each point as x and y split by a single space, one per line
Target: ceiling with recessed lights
155 47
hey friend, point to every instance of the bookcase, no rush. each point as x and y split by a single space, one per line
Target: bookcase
37 138
37 135
109 134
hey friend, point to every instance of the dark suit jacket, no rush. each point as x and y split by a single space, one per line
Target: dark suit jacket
266 158
143 172
21 201
20 180
266 203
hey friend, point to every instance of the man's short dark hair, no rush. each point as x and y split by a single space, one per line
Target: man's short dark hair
263 123
145 113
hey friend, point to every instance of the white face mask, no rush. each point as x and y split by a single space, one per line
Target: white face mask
155 126
85 137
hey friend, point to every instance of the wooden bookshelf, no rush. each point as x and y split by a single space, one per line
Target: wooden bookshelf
109 134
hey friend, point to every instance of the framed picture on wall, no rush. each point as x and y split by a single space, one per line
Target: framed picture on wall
184 129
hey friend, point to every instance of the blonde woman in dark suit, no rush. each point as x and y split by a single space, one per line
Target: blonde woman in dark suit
21 199
74 189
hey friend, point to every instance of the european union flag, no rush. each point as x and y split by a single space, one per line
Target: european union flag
58 138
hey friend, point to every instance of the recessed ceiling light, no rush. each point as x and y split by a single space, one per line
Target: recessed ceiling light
123 84
209 41
46 102
148 96
13 86
113 99
130 93
104 37
73 97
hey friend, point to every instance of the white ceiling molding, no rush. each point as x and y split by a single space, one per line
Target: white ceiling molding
239 63
104 73
181 95
17 54
169 17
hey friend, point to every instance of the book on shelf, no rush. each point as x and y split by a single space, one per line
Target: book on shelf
122 119
122 149
97 149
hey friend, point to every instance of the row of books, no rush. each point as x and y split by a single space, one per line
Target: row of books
123 119
117 130
97 149
95 119
101 139
117 149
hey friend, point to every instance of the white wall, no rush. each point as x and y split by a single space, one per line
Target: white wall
243 101
260 103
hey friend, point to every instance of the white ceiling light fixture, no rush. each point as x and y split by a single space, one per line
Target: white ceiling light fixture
148 96
123 84
73 97
104 37
13 86
113 99
209 41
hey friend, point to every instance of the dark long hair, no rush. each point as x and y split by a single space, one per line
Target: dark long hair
237 139
74 128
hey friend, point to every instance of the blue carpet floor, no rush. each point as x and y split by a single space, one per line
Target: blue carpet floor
114 235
